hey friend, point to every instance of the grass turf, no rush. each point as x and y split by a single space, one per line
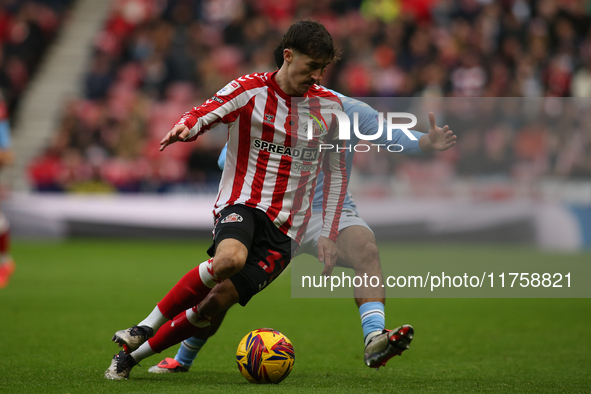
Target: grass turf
66 300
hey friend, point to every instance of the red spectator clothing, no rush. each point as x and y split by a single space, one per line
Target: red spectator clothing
268 165
3 109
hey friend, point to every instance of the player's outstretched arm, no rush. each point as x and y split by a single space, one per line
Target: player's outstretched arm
327 254
438 138
178 133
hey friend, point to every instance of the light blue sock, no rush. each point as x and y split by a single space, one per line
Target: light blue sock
188 350
372 318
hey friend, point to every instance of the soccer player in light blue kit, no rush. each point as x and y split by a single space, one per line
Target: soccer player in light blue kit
356 245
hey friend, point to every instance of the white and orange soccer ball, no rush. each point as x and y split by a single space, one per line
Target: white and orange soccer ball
265 356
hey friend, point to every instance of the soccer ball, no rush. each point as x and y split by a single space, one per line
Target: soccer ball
265 356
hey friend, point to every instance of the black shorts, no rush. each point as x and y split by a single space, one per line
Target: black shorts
269 250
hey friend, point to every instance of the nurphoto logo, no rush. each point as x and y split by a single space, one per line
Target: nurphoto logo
345 130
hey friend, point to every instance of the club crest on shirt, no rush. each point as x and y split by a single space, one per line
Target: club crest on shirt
316 126
269 118
229 88
232 218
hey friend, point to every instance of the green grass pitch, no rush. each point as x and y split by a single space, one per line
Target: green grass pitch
67 299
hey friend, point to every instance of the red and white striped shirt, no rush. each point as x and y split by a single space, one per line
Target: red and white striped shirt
270 163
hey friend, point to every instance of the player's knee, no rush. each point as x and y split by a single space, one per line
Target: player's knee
229 261
229 258
367 257
372 253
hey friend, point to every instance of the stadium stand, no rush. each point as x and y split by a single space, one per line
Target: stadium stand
56 80
153 60
26 30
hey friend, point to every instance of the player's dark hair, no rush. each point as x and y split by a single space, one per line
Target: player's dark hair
278 55
309 38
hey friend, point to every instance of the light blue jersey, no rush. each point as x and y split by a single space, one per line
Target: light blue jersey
368 125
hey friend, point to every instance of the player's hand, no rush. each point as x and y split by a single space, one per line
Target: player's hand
177 133
327 254
441 138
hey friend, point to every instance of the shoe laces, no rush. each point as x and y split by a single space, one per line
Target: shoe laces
137 331
124 362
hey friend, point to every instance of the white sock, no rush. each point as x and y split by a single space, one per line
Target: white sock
155 320
196 319
206 274
142 352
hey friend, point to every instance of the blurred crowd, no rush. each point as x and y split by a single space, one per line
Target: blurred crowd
507 145
155 59
27 27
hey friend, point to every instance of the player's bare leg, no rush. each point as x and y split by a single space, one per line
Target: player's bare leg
230 257
358 250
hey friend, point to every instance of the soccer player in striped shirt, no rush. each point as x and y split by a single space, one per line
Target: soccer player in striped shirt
356 245
265 197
